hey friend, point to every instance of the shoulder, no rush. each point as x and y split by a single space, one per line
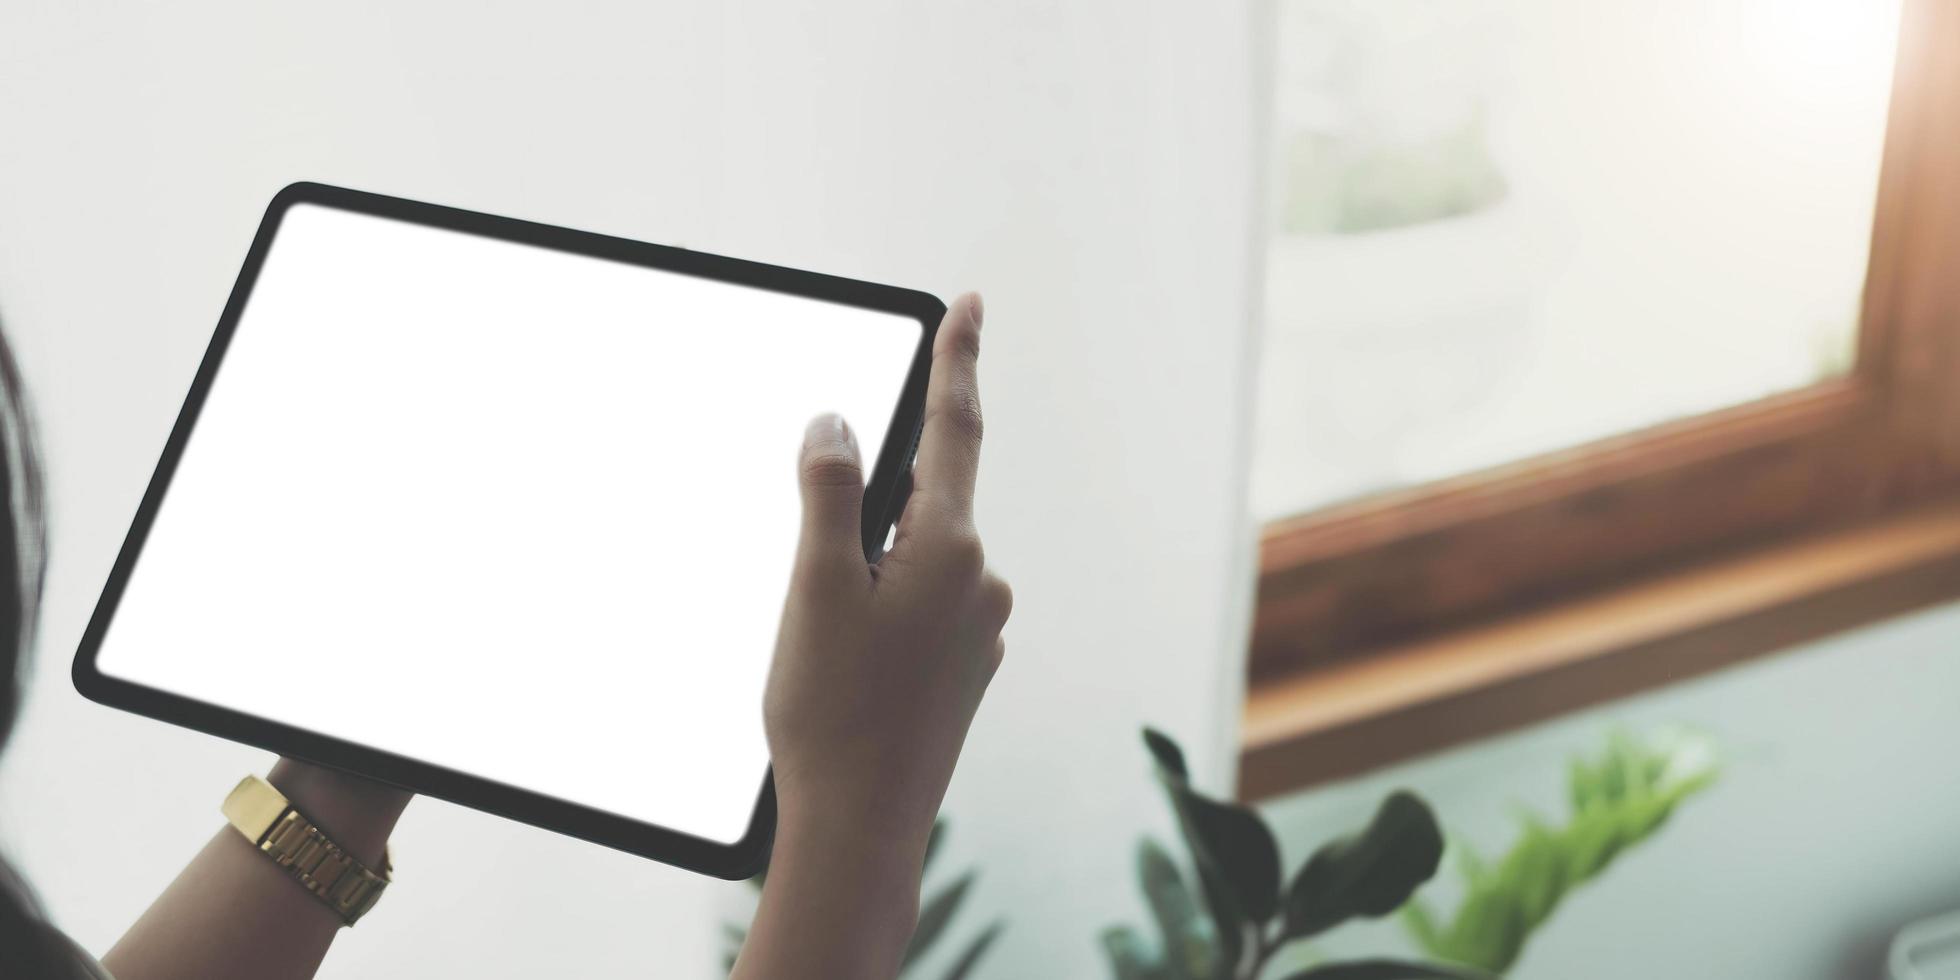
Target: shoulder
33 943
85 966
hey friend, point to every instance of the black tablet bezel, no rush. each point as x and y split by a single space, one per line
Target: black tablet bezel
884 497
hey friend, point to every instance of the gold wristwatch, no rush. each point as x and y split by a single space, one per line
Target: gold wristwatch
263 814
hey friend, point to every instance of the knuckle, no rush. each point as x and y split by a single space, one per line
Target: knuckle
998 598
830 468
965 556
967 416
960 411
963 411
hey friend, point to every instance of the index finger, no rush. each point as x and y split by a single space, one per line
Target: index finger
949 445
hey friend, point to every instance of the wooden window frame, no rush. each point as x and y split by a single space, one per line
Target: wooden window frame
1344 589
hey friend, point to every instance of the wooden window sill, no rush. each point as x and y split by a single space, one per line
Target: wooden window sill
1357 714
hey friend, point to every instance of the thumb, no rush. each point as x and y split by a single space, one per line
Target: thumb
832 480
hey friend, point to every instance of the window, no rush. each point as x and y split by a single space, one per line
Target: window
1544 222
1565 298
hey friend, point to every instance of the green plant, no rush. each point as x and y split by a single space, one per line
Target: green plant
1618 800
935 914
1368 873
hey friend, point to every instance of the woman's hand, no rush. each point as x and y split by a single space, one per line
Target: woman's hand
879 668
878 672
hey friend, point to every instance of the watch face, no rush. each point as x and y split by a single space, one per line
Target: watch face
548 494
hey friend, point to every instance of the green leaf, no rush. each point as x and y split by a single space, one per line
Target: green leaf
1581 785
933 840
1619 797
1489 932
737 937
1127 958
1537 874
1622 767
1420 921
970 957
1469 864
1234 847
934 915
1589 843
1184 935
1229 921
1236 856
1385 970
1169 757
1369 873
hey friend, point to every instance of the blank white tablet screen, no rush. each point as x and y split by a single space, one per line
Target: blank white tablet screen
516 512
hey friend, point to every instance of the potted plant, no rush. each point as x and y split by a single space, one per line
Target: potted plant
1248 916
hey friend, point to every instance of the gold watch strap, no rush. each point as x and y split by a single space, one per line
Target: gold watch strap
263 814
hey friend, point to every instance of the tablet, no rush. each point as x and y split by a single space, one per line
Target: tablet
502 513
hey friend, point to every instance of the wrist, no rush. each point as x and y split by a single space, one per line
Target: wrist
357 813
841 899
876 846
822 862
851 813
881 856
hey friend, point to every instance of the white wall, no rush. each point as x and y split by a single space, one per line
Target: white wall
1086 164
1834 823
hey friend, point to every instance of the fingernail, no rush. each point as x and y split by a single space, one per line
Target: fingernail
850 435
975 309
824 428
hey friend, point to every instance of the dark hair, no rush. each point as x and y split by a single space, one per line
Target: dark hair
33 948
23 560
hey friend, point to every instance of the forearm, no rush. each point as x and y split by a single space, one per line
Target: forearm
232 912
838 903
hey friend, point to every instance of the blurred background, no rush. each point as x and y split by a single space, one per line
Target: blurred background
1543 408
